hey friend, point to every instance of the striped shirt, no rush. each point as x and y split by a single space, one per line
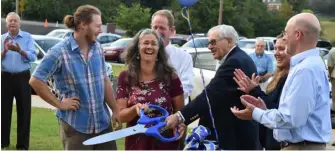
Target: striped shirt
77 77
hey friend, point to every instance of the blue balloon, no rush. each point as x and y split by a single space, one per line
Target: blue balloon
187 3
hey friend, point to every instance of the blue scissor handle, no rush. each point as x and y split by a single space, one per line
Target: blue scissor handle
158 124
154 131
147 120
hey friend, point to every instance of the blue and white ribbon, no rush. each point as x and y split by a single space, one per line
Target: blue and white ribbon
197 140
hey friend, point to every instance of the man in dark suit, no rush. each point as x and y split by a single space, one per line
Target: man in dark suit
233 133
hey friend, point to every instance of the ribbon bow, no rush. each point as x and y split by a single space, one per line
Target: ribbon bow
196 140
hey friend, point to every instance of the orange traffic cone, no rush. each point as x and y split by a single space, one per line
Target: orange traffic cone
46 23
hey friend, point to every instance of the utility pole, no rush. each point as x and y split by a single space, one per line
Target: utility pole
220 12
17 6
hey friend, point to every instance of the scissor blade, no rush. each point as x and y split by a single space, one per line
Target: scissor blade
115 135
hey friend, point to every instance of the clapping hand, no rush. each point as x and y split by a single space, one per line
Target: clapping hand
250 104
244 82
15 47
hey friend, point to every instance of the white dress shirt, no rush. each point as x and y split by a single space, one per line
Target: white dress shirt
223 59
183 64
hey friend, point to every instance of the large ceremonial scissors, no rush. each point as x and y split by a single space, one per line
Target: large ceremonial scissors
157 122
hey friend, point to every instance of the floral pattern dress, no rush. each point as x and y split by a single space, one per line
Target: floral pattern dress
153 92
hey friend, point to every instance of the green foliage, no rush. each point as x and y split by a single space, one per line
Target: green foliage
132 19
286 11
307 11
249 17
298 5
324 7
153 4
6 7
333 43
55 10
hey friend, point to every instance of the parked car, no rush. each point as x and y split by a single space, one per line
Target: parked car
199 42
107 38
196 35
102 37
249 44
42 44
60 33
178 41
324 46
114 50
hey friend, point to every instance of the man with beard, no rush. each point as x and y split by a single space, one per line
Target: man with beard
163 22
302 120
78 66
17 51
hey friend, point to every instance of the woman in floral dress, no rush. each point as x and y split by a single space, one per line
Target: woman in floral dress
149 79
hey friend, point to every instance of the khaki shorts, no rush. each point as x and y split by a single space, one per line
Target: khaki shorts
73 140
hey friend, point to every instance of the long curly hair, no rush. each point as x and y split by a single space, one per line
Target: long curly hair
162 68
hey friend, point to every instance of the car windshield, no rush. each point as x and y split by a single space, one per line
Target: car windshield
199 43
324 44
54 33
246 44
46 44
120 43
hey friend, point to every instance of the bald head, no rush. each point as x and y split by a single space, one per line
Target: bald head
308 24
302 33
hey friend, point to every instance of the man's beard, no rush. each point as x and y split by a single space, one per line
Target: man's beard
89 38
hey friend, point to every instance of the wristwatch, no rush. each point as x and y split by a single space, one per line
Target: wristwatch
180 117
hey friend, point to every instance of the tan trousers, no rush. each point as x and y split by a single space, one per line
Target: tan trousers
305 147
73 140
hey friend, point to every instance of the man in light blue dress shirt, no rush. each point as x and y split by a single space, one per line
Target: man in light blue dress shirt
263 61
302 120
17 51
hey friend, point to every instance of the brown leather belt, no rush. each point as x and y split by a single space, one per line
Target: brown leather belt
285 144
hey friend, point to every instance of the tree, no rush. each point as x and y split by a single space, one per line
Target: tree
6 7
286 10
324 7
298 5
307 11
154 5
249 17
132 19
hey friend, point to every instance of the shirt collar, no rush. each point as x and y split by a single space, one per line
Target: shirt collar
75 46
19 34
73 42
224 58
260 55
168 46
301 56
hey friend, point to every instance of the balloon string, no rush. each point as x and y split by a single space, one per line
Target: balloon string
186 10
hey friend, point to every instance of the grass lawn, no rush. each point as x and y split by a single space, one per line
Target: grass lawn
43 131
117 68
328 30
